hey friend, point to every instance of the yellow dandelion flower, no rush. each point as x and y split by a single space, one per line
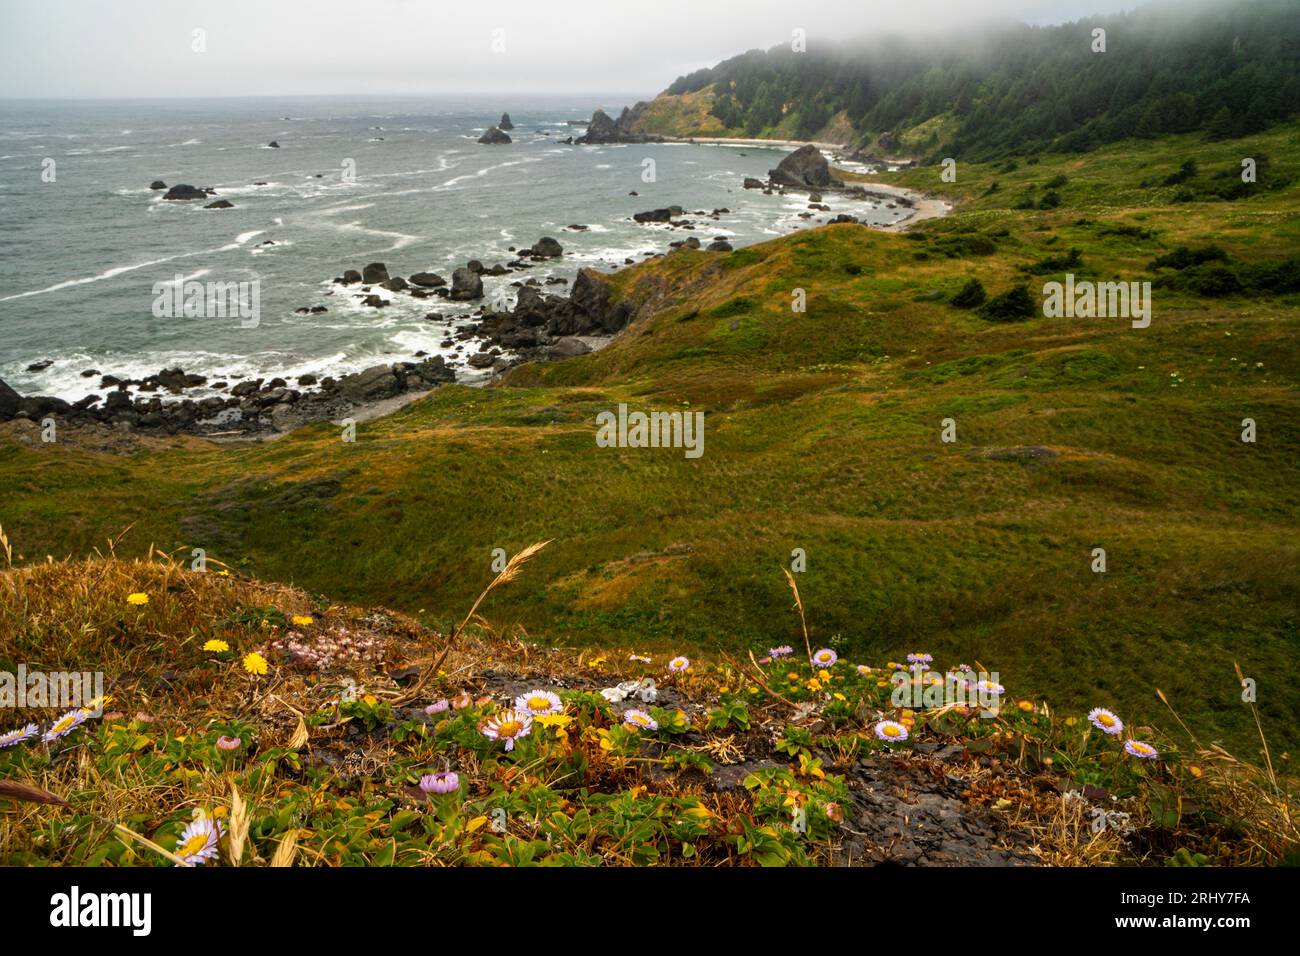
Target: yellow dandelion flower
1026 705
255 663
138 598
303 620
217 646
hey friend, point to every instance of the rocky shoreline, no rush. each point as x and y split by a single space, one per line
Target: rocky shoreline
539 327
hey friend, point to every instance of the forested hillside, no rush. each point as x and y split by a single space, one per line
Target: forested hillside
1226 70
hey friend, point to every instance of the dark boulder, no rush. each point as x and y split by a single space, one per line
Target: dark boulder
494 137
9 400
375 274
531 307
466 285
655 215
806 167
719 245
505 122
351 276
220 204
588 310
38 406
568 348
427 280
273 144
547 248
157 184
185 192
372 384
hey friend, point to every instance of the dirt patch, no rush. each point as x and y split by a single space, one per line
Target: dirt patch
909 812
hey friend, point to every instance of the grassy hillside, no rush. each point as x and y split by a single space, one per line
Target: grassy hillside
823 433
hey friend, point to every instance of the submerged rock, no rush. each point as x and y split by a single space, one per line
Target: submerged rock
184 191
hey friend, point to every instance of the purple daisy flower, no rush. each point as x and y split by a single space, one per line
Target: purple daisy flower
640 719
18 736
1105 721
66 724
442 782
198 841
1140 748
508 726
825 657
437 707
891 731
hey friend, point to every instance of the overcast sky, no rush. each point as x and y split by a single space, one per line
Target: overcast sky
125 48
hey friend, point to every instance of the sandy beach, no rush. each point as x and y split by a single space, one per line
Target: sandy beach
757 143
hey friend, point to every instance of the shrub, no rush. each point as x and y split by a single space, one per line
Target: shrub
1185 172
1071 260
975 244
971 295
1014 305
1183 257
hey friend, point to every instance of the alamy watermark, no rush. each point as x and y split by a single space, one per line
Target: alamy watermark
67 690
193 299
1101 300
651 430
917 689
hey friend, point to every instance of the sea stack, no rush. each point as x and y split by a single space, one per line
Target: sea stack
494 137
505 122
805 168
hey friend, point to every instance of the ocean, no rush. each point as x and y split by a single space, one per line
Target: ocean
84 240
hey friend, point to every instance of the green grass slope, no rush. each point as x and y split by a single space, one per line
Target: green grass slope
823 433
